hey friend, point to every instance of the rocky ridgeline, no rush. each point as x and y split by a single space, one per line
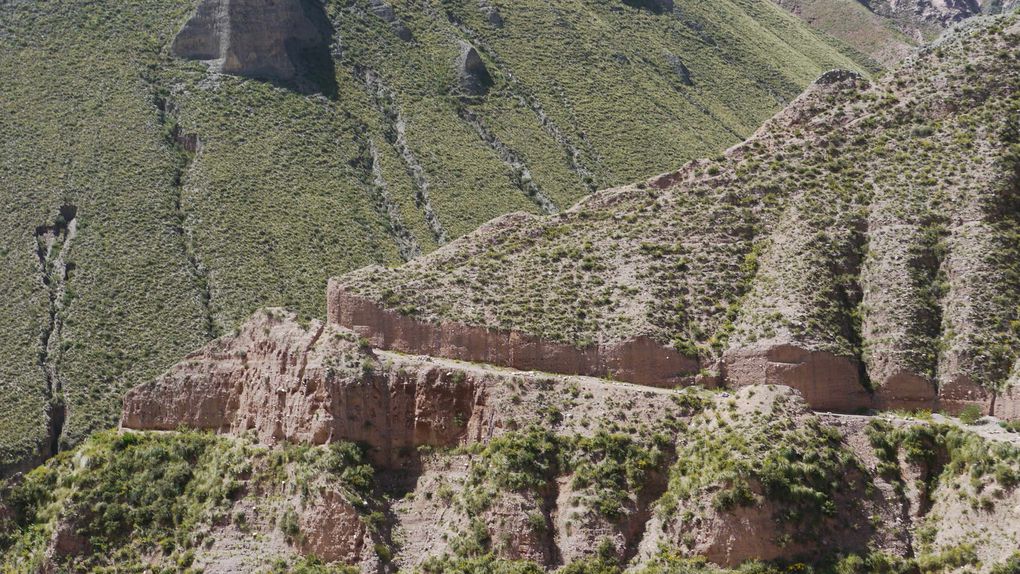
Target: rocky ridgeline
860 247
554 469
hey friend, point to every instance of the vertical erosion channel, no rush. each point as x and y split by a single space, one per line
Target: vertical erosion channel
53 245
184 147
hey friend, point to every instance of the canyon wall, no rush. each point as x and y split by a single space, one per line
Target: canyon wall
639 360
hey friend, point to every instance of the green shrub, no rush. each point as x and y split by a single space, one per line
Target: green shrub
970 414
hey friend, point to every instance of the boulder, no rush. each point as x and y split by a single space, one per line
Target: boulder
472 75
654 6
386 13
491 14
681 70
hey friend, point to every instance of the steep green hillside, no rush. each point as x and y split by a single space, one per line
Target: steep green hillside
872 225
150 205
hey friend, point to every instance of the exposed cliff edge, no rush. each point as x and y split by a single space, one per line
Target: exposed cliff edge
317 383
639 360
557 469
287 41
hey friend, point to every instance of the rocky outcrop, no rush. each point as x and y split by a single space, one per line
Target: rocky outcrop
65 543
284 382
655 6
385 12
473 77
639 360
680 68
491 13
287 383
826 381
281 40
333 529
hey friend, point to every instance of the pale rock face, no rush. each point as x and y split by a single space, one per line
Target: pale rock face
473 76
287 383
826 381
280 40
639 360
333 529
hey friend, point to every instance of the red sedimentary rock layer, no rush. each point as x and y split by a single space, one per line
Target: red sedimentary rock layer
640 360
287 383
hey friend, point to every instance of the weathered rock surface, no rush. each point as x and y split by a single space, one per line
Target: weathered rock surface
472 76
64 543
491 13
333 529
290 383
656 6
281 40
640 360
384 11
826 381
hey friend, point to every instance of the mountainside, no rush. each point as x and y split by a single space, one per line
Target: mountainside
475 411
862 247
888 30
153 201
466 468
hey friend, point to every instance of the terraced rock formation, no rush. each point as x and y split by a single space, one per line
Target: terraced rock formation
860 247
481 468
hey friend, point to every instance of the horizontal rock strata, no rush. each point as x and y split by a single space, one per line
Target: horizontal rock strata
640 360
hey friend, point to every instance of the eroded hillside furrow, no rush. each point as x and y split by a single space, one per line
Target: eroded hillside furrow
980 328
184 147
519 172
574 155
396 134
53 246
407 244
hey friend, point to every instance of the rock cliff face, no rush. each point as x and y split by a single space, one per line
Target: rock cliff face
640 360
549 468
285 382
282 40
860 247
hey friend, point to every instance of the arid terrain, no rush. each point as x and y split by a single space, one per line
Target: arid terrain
799 354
